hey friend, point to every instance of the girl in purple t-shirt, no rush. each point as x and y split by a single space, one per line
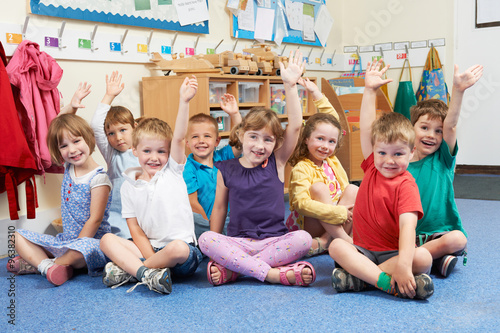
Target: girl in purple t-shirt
258 244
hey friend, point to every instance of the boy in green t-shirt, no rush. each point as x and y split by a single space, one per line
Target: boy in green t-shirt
433 166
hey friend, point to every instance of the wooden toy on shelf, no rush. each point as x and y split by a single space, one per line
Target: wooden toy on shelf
348 106
183 65
264 51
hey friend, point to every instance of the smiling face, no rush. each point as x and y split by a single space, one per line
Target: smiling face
322 142
202 139
428 135
74 149
258 145
120 136
391 159
152 154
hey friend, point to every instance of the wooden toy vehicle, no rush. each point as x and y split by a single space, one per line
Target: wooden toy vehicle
231 63
263 51
265 67
183 65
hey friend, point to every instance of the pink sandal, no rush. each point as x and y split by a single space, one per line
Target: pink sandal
297 271
223 271
19 266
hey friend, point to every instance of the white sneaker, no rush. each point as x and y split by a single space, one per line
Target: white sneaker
157 279
113 276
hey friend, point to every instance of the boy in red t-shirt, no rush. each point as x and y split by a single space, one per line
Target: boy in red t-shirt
386 210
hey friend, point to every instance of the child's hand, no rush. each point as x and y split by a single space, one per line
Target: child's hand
113 84
188 89
228 104
81 92
373 76
405 280
294 70
311 87
467 79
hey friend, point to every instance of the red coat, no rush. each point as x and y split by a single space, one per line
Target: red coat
17 164
36 75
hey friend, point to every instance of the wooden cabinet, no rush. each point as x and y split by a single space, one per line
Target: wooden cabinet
348 107
160 95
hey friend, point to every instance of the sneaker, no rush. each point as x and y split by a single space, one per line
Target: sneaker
113 276
447 264
19 266
58 274
425 287
157 279
343 281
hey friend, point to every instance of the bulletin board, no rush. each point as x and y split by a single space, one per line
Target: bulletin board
294 36
158 14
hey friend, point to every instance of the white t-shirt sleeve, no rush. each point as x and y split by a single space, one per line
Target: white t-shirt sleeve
101 179
97 124
126 193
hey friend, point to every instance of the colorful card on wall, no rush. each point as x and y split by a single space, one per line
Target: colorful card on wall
142 4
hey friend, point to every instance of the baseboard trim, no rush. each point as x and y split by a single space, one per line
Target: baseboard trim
478 169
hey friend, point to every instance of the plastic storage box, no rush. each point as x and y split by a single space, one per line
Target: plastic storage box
278 102
216 91
249 92
223 120
302 97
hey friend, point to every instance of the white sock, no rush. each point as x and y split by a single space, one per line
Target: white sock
44 266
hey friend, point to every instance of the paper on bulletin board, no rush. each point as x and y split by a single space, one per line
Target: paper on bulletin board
294 14
264 24
245 17
323 24
308 23
191 11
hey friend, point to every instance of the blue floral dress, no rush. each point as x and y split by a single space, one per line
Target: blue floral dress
75 210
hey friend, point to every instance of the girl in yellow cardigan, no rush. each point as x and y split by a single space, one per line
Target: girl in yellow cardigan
321 198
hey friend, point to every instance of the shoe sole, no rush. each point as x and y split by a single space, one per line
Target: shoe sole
58 274
166 282
425 286
448 265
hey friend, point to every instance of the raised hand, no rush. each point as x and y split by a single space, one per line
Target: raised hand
81 92
228 104
373 76
467 79
188 88
113 84
295 68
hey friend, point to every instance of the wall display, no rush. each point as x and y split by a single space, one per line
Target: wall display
158 14
487 13
258 20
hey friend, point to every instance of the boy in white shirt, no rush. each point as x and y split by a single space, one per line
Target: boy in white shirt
156 205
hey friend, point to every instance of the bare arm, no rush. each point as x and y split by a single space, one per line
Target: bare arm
196 206
113 87
461 82
139 237
81 92
290 76
403 274
186 93
219 211
98 201
373 81
229 105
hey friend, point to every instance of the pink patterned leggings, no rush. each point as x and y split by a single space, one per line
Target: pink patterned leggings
255 257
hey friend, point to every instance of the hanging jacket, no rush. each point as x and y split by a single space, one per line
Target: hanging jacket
35 76
17 164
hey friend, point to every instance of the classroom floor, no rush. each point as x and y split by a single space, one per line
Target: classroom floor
467 301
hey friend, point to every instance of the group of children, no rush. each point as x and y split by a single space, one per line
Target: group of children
167 211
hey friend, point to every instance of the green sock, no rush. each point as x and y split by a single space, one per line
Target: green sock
384 282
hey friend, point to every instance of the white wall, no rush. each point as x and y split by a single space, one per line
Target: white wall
478 132
359 22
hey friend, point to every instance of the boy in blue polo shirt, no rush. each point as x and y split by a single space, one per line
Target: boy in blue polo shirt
200 174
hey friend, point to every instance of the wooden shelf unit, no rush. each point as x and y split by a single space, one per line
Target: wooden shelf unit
349 153
160 95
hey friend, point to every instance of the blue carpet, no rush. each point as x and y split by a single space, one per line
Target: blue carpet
468 300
